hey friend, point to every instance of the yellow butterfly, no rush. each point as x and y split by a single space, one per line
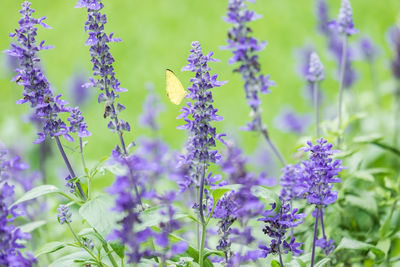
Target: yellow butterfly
175 90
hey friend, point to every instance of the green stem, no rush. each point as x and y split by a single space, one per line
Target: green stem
83 246
316 106
81 151
110 256
203 239
341 85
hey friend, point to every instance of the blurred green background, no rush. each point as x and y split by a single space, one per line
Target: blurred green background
157 34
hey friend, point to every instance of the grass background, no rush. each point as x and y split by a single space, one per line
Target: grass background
157 34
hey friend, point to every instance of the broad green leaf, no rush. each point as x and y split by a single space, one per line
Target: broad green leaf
323 262
363 175
347 243
275 263
50 248
118 248
152 217
365 201
267 194
367 138
97 212
37 192
74 259
29 227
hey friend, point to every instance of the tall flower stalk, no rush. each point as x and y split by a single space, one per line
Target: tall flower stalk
103 68
315 75
345 26
47 107
198 115
320 173
244 49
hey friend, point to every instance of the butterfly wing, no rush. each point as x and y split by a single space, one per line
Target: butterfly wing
175 90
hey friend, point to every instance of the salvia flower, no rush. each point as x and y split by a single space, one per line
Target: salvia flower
200 114
289 121
320 173
102 61
129 202
316 69
11 236
394 39
244 49
292 182
368 49
327 246
278 221
344 23
36 87
64 215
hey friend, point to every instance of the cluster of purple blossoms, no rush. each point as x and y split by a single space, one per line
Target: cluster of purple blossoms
292 182
316 69
394 38
77 123
36 87
291 122
199 115
344 23
103 61
320 173
11 236
64 215
129 202
335 44
278 222
368 49
245 48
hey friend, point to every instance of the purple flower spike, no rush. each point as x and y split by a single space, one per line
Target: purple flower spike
316 69
11 237
290 121
36 87
344 24
368 49
199 114
320 172
103 61
277 225
78 123
64 215
244 48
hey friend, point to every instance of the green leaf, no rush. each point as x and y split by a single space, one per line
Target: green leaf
152 217
322 262
347 243
118 248
37 192
367 138
97 212
363 175
275 263
267 194
29 227
366 202
50 248
74 259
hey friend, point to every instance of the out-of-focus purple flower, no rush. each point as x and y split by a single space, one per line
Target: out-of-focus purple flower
64 215
291 122
328 246
316 69
394 39
103 61
278 222
151 109
344 23
36 87
292 182
79 93
320 173
129 190
199 115
368 49
11 236
302 55
77 123
244 49
335 44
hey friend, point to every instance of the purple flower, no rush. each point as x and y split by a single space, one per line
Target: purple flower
36 87
103 61
322 13
64 215
344 23
328 246
78 90
151 109
278 222
394 39
316 69
77 123
199 114
291 122
368 49
320 172
244 49
292 182
11 236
